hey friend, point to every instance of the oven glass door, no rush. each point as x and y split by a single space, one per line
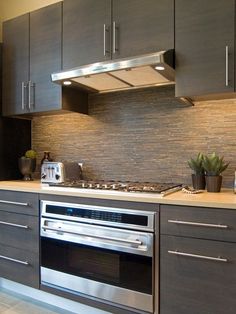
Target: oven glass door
116 268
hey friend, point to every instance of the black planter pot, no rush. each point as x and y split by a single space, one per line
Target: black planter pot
198 181
213 183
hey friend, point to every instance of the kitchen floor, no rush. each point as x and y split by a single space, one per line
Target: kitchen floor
12 303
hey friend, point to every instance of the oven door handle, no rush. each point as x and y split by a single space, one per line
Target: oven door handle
136 242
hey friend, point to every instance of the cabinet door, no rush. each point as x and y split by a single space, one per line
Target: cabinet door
19 265
204 43
142 26
45 57
86 32
15 65
196 284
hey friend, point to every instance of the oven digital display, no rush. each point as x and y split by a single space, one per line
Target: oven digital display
123 218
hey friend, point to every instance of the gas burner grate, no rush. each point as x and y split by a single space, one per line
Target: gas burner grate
148 187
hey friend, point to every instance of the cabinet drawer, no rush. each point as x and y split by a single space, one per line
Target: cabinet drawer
19 231
199 222
19 202
19 265
201 280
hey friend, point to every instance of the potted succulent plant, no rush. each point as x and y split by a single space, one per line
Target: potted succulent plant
27 164
214 166
198 177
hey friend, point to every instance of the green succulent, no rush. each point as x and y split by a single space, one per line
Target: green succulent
31 154
214 165
196 164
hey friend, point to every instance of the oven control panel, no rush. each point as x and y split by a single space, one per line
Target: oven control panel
118 217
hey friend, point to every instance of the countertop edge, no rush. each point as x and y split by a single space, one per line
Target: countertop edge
224 199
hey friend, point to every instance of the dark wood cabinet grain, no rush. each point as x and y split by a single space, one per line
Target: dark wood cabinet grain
32 51
203 31
95 31
143 26
197 262
26 273
194 285
15 64
212 223
19 237
84 36
19 202
19 230
45 57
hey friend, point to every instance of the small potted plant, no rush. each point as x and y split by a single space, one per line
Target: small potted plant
198 177
214 166
27 164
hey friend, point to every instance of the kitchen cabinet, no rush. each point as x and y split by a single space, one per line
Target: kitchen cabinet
197 260
31 52
204 47
95 31
19 237
17 131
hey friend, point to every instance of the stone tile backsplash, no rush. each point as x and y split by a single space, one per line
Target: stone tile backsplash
140 135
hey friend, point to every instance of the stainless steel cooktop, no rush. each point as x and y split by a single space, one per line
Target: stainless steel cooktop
139 187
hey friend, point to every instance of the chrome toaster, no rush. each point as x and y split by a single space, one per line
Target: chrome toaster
52 172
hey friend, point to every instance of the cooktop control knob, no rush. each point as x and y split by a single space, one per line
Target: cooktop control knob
57 176
43 176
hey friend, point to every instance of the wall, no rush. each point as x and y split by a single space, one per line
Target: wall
144 135
12 8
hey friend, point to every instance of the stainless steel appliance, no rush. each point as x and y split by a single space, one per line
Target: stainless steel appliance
52 172
136 71
152 188
101 252
58 172
141 71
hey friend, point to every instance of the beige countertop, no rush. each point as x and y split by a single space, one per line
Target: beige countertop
225 199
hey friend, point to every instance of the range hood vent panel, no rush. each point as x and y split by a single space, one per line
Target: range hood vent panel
100 82
123 73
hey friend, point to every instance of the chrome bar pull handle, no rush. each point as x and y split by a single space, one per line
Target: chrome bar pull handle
105 30
14 225
137 242
115 49
29 93
226 65
211 258
197 224
14 260
14 203
23 87
30 102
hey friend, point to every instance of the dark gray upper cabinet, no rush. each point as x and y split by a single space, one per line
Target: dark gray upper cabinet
31 52
204 46
45 57
15 63
95 31
142 26
86 32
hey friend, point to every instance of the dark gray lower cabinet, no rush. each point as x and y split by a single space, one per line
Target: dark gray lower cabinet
197 260
19 237
197 285
19 265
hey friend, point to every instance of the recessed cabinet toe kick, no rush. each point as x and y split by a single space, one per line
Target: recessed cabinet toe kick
100 252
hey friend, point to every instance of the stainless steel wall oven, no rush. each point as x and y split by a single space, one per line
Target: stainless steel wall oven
97 251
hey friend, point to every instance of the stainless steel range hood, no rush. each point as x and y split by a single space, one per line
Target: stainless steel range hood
140 71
